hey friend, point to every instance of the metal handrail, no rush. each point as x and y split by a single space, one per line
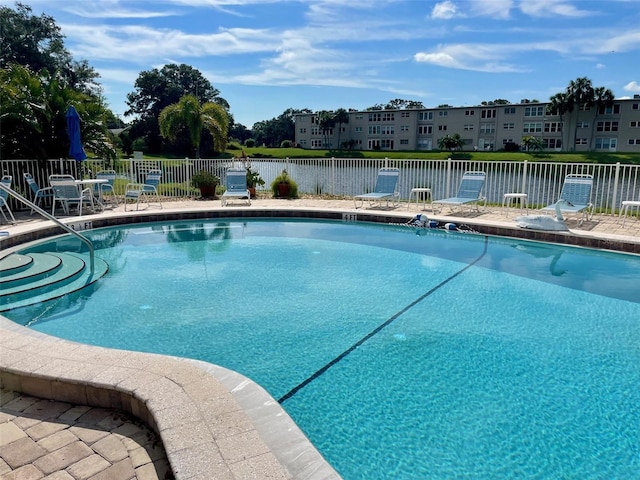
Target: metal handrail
48 216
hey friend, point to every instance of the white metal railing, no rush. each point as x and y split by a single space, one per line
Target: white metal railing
542 181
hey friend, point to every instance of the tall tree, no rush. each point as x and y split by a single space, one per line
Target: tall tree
159 88
602 98
326 122
195 117
340 117
560 104
581 92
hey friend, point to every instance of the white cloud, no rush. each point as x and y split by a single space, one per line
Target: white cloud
476 57
551 8
444 10
632 87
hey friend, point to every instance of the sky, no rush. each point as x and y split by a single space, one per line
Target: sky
265 56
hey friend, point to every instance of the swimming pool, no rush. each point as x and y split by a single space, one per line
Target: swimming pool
401 353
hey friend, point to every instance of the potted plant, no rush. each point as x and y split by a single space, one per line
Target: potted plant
253 179
206 182
283 186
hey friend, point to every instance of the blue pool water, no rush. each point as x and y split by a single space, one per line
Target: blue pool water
404 354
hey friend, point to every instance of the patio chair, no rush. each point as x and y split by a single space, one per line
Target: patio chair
39 194
575 197
142 191
68 193
469 192
236 187
4 199
386 189
106 188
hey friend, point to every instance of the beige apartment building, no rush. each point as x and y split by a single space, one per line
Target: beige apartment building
490 127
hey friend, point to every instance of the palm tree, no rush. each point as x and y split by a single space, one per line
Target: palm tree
581 92
340 117
560 103
451 142
193 115
602 97
325 122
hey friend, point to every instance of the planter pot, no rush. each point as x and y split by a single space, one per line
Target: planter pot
283 190
208 191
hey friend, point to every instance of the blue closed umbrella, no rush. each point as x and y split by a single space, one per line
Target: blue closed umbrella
73 130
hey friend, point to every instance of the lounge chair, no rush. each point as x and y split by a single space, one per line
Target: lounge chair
575 197
39 194
4 199
386 189
236 186
142 191
469 192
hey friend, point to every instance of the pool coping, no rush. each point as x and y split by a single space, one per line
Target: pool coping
212 421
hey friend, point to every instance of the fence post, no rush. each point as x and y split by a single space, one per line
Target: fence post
448 178
333 175
616 177
524 177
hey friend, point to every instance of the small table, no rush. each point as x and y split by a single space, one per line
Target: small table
510 197
424 192
626 205
91 182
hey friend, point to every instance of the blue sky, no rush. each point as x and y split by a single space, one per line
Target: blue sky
269 55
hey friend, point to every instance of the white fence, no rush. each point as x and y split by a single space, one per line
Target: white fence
542 181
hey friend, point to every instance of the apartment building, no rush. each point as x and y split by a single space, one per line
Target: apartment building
487 127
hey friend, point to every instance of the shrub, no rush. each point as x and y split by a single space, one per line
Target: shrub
250 143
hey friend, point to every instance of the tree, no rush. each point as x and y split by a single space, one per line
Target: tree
326 122
451 142
157 89
581 92
560 103
531 143
602 98
340 117
400 104
273 132
189 113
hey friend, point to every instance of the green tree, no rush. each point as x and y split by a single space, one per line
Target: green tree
340 117
451 142
531 143
159 88
326 122
602 98
560 104
189 113
581 92
273 132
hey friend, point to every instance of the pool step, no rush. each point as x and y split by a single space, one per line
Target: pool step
28 279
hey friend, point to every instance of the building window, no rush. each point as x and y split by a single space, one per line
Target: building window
582 125
534 111
581 141
315 131
313 119
387 144
359 116
442 128
424 144
388 130
469 113
606 143
551 143
374 129
509 126
584 107
388 117
550 127
488 113
405 114
509 110
635 141
609 109
468 126
374 144
533 127
425 129
487 128
303 130
425 116
404 141
404 128
634 124
375 117
634 106
358 130
316 143
607 127
443 113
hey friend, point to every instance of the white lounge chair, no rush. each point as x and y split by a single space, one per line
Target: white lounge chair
469 192
575 197
236 186
39 194
386 189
